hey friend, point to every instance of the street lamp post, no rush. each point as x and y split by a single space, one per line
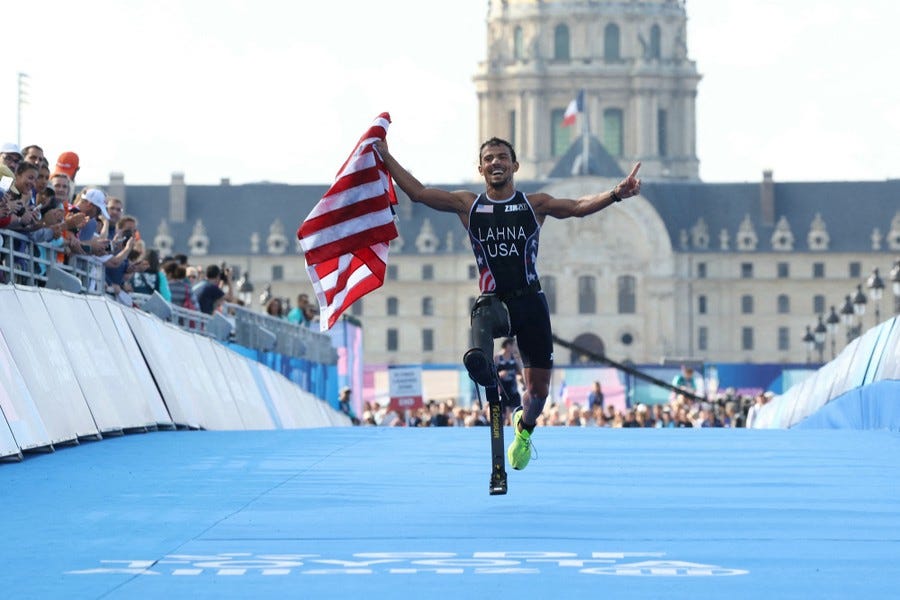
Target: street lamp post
859 302
245 289
847 318
819 338
832 324
876 290
810 342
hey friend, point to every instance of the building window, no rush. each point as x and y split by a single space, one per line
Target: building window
391 273
784 270
784 304
611 45
427 340
512 128
701 270
818 270
587 297
613 132
356 309
855 270
473 272
427 272
277 272
746 270
701 305
548 285
518 44
818 304
427 306
392 306
747 304
392 340
702 338
784 338
746 338
561 43
655 42
662 132
626 286
560 137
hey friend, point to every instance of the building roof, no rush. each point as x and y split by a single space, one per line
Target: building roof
231 214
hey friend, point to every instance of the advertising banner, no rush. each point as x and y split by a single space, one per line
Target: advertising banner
405 385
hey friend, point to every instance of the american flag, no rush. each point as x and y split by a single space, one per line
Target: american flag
345 237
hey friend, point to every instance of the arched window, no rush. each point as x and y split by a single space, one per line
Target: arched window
613 131
560 137
655 42
392 306
548 285
561 43
627 303
587 295
611 46
518 44
589 342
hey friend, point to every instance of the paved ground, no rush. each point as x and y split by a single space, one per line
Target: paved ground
396 513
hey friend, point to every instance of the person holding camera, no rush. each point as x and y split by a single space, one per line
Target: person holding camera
117 260
210 294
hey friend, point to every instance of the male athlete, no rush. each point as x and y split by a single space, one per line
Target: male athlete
503 226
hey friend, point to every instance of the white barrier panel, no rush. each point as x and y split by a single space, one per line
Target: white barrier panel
133 370
21 415
292 413
41 360
8 446
166 366
98 372
296 407
221 402
870 358
889 365
254 412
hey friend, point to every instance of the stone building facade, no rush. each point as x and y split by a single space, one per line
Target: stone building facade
688 270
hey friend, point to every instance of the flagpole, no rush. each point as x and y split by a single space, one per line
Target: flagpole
585 168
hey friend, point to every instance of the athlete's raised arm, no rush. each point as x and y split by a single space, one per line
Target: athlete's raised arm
456 202
563 208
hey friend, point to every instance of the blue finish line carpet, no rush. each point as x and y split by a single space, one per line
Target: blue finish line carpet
400 513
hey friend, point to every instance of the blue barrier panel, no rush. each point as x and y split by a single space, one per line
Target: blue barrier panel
875 406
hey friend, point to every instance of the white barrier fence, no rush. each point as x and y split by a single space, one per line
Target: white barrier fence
870 358
78 367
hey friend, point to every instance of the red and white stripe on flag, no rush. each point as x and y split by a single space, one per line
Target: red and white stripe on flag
345 236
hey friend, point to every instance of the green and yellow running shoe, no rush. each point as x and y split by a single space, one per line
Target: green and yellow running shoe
519 451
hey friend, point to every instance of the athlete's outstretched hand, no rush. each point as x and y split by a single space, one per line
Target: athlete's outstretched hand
631 185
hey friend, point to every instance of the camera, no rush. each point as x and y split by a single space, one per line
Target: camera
20 211
127 234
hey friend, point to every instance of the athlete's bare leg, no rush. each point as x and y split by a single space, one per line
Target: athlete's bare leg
537 388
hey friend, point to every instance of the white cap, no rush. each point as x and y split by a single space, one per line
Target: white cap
98 199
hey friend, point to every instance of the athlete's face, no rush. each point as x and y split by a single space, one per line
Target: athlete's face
497 166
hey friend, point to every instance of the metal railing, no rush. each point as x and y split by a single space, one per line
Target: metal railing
24 262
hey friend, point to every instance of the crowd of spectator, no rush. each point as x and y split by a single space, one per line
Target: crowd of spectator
725 410
43 203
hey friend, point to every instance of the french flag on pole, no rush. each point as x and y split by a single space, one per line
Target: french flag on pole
575 107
